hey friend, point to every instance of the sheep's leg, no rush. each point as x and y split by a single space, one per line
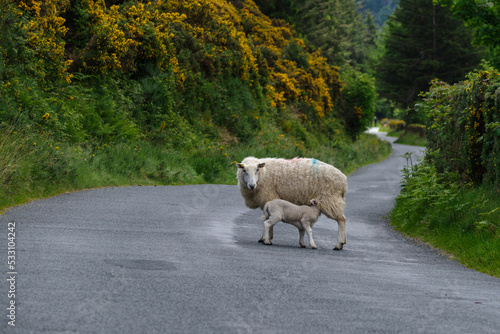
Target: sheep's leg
268 226
336 212
341 237
301 238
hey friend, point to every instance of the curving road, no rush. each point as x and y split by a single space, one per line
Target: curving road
186 260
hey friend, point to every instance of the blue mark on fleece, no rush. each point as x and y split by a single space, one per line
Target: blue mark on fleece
315 165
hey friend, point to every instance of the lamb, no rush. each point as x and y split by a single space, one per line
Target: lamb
297 181
303 217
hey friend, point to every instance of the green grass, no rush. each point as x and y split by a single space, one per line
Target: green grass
411 139
395 133
34 166
384 128
464 222
405 138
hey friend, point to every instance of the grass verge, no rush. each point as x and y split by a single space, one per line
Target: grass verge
395 133
464 222
409 138
34 166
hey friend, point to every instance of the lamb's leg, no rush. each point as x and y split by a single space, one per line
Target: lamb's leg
301 238
261 240
341 237
308 229
268 226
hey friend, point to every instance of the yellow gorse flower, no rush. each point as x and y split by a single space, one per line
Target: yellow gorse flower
125 35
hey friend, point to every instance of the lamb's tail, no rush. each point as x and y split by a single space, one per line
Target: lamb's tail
265 214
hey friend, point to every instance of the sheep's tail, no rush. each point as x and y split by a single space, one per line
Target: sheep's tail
265 214
344 190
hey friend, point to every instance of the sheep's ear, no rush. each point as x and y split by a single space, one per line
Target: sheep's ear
261 165
314 202
240 165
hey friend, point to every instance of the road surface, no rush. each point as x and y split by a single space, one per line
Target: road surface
185 259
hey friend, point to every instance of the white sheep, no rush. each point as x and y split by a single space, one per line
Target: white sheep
297 181
303 217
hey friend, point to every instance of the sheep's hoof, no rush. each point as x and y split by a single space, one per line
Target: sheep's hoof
339 247
267 242
302 246
261 240
314 247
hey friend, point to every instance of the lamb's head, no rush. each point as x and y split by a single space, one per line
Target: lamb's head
313 205
249 174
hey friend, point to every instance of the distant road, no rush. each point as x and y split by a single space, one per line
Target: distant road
185 259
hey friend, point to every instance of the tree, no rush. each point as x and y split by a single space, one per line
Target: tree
371 29
482 14
357 104
484 17
334 26
424 41
380 9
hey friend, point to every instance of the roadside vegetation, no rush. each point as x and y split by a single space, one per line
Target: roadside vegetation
462 220
102 93
413 134
35 165
451 199
410 138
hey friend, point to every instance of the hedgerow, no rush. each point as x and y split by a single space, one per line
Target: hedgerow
463 127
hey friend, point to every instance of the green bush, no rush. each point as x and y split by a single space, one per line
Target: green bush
463 221
463 127
356 107
417 129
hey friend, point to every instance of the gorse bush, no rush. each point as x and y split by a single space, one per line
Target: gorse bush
397 125
463 127
197 44
101 93
160 66
43 31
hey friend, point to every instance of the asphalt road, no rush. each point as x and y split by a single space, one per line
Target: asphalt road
186 260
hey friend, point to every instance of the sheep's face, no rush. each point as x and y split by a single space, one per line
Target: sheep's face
250 173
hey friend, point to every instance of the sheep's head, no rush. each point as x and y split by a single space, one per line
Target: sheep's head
250 173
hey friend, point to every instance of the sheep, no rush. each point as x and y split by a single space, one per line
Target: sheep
297 181
303 217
